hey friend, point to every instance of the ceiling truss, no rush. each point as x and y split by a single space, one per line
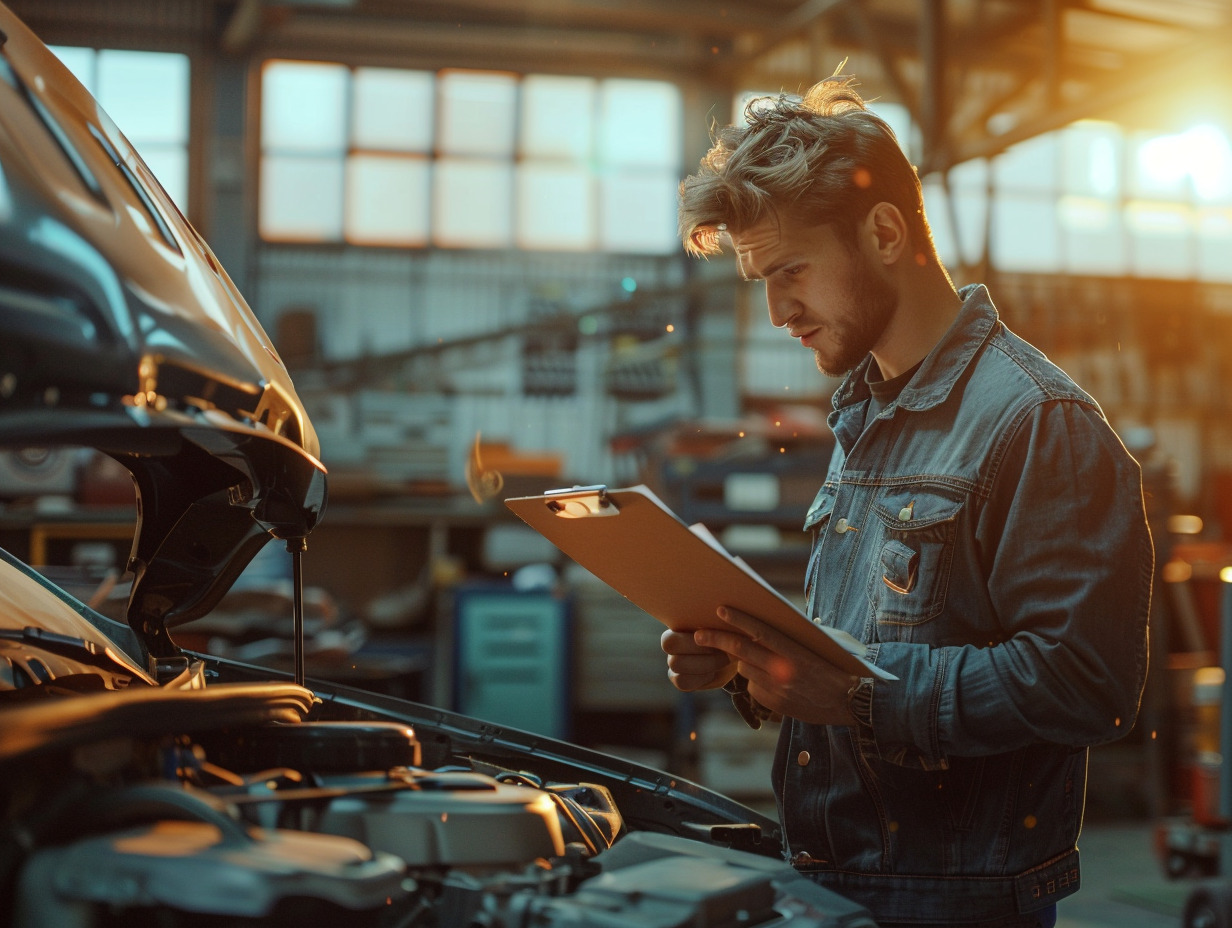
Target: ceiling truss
977 75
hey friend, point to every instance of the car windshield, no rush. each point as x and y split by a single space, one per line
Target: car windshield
45 634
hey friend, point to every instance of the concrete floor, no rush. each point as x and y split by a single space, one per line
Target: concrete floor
1123 884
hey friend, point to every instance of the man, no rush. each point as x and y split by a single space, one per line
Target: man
981 528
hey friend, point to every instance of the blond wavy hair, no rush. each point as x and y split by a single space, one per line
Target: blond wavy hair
825 159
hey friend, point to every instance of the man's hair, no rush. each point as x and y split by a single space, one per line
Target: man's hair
824 158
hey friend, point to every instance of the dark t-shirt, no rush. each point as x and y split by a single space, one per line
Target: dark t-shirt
885 392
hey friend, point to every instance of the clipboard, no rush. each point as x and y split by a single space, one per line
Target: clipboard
678 573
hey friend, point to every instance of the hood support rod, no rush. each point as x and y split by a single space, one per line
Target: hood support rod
297 547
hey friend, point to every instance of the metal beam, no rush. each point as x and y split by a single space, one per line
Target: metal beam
871 37
1054 40
1199 58
1155 14
688 17
788 27
521 48
242 27
935 91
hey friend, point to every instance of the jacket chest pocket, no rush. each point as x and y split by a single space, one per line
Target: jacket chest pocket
911 563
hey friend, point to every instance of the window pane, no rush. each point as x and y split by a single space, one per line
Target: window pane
78 60
1029 165
301 198
387 200
639 123
1158 168
964 244
898 117
472 203
1093 235
303 107
393 109
1024 234
1215 244
145 94
970 175
1210 163
170 165
639 213
936 208
558 117
555 207
477 113
1091 154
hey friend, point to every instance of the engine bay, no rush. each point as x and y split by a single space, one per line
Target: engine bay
211 802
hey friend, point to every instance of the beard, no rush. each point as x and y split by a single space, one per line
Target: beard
871 302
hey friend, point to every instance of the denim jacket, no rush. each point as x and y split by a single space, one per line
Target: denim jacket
985 535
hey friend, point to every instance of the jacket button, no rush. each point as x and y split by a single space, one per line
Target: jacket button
841 526
803 758
904 514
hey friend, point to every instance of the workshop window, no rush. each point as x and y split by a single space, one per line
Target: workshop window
472 188
1024 231
1180 191
303 137
1090 203
146 96
556 189
1093 198
467 159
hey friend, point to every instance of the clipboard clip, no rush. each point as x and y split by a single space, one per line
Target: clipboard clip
581 502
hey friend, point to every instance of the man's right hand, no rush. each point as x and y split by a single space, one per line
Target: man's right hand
690 666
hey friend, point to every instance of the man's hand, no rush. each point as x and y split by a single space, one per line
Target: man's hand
783 676
691 666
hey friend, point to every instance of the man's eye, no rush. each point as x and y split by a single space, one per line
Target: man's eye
793 271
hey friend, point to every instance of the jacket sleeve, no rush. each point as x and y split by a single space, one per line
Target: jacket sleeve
1067 562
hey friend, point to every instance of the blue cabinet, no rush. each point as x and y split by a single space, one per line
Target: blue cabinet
512 653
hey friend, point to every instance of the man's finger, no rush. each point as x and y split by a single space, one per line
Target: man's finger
673 642
688 683
697 663
754 628
733 643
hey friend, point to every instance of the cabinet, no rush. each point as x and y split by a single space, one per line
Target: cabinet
512 657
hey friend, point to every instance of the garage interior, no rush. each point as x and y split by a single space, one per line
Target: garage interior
456 221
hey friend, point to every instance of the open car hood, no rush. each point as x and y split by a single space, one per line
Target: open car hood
123 332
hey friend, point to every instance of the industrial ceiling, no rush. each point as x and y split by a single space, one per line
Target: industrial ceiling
978 75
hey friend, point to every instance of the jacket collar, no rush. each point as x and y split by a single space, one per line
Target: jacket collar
949 358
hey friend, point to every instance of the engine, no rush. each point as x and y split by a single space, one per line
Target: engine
246 816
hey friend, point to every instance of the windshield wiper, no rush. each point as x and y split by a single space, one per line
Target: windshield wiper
78 649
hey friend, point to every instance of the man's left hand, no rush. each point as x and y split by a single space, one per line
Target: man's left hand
783 676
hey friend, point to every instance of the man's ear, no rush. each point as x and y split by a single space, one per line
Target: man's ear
886 231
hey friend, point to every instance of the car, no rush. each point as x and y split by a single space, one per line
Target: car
143 783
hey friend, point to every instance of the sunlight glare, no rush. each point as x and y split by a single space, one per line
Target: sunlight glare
1202 153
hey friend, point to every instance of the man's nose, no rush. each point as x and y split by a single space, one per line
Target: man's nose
782 309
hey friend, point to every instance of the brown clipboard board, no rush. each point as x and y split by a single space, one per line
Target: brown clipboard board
630 540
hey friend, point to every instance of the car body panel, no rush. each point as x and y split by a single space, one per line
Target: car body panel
123 332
